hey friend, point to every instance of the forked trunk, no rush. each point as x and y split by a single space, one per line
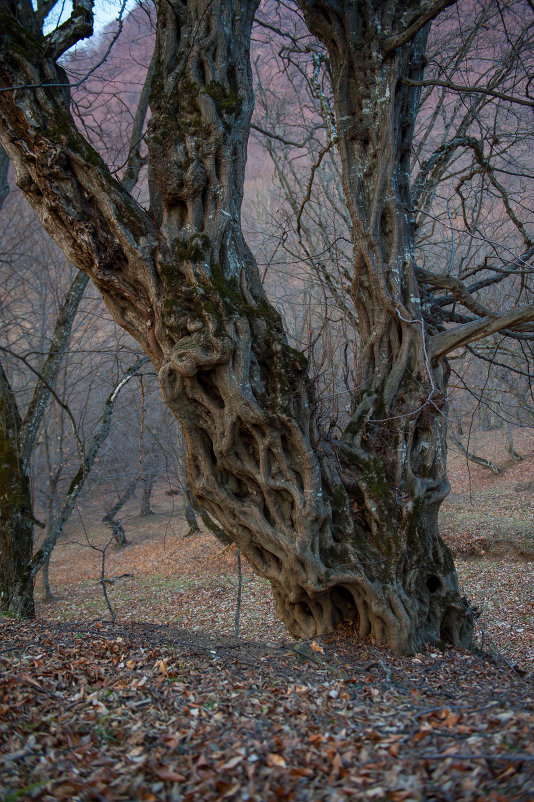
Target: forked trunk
342 529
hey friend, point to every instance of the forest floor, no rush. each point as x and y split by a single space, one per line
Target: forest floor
167 704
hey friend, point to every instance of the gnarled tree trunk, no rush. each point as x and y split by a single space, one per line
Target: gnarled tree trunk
342 529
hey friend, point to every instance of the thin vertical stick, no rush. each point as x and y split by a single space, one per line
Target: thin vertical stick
239 586
141 427
102 566
103 582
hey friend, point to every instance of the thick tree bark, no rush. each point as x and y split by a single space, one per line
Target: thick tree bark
342 530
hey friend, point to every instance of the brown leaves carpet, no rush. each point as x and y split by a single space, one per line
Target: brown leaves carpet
145 712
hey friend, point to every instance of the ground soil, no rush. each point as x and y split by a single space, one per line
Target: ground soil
166 703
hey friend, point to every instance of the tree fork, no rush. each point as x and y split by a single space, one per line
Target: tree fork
342 529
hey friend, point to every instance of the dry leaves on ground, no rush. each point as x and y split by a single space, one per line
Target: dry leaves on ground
155 713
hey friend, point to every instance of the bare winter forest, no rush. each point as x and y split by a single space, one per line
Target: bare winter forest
266 400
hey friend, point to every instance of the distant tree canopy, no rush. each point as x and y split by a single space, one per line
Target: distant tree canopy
341 519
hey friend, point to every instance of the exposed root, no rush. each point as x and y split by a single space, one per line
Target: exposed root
386 617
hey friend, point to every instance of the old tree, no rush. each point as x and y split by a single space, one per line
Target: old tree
343 528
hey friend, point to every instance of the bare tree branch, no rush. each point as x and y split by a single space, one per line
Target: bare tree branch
440 157
44 7
78 26
517 267
486 463
48 373
406 36
282 139
472 90
77 483
48 387
442 344
457 288
315 167
135 161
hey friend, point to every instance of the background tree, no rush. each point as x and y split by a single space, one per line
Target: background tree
40 439
23 409
51 360
343 527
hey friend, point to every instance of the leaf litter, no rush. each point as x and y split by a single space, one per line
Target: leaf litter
137 711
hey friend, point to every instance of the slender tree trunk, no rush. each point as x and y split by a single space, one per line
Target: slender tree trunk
45 573
54 474
53 481
510 450
117 530
148 484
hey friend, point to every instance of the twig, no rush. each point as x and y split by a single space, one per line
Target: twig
462 756
495 653
103 579
314 168
472 90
